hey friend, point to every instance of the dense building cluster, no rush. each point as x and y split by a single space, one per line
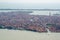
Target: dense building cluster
22 20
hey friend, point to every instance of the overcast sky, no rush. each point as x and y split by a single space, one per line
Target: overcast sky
30 4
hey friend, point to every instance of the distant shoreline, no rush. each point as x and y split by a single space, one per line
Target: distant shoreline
35 9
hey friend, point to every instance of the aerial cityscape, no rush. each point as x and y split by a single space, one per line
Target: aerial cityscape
32 20
29 19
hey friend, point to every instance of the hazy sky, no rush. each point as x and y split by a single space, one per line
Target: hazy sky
31 1
30 4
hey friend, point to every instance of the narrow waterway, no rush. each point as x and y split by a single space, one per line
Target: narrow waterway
48 31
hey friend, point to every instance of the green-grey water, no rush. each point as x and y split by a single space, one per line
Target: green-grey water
27 35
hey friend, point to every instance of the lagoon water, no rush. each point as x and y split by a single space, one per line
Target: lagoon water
34 12
8 10
27 35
